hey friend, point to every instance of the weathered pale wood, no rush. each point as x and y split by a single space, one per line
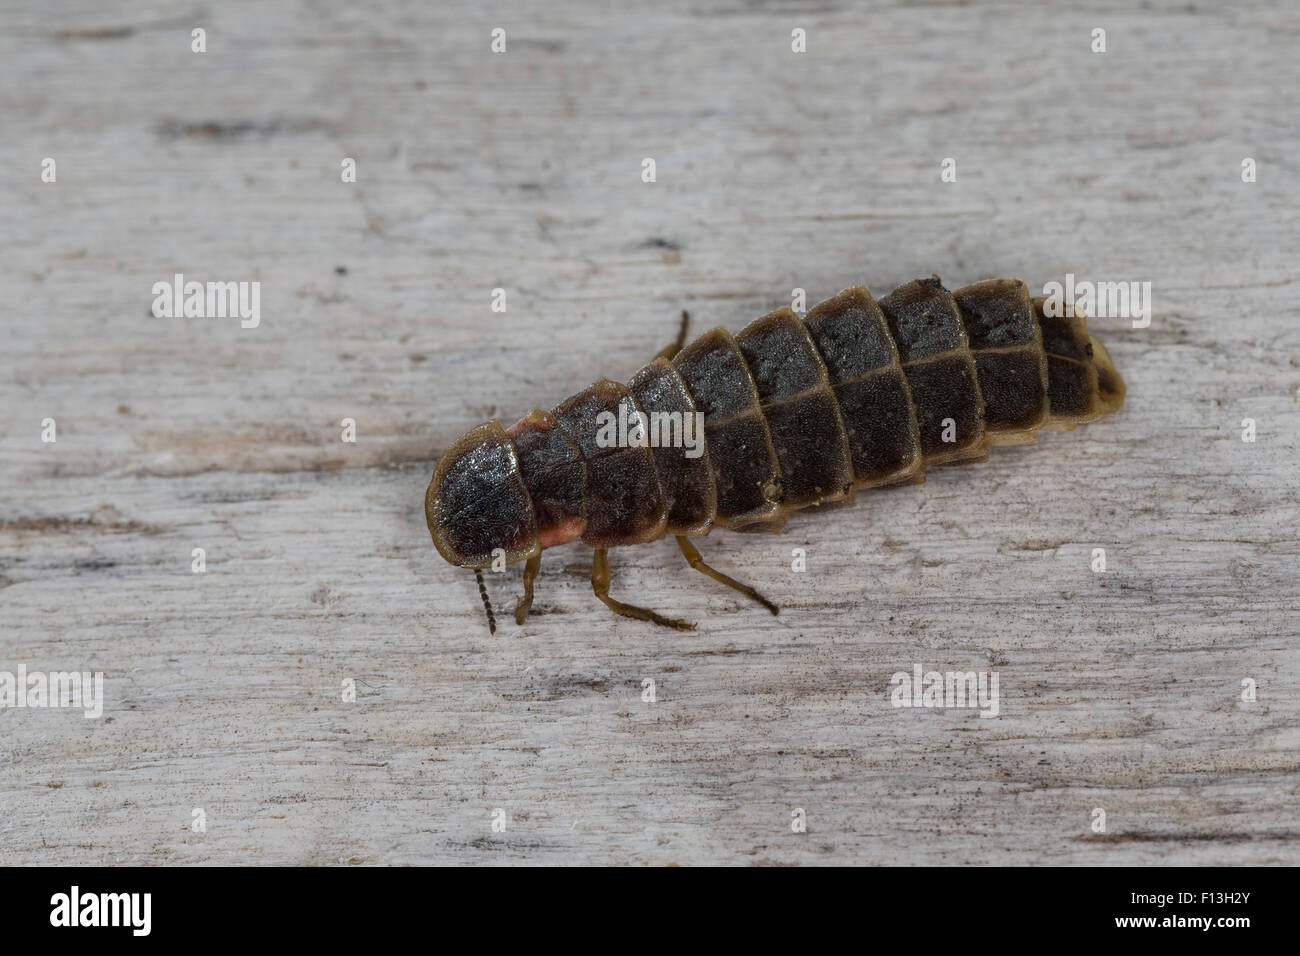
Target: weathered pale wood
1120 690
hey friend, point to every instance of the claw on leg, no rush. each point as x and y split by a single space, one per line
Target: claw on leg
600 584
696 560
524 604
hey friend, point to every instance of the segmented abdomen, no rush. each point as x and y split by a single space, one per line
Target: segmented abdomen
799 413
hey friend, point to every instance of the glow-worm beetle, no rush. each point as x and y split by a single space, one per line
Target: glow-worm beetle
796 412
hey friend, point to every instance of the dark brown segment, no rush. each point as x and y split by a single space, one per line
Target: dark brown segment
716 374
555 475
624 500
802 415
851 336
1073 389
781 357
853 339
923 320
881 426
941 376
685 473
1010 365
745 470
997 314
1065 336
1014 386
811 449
945 388
477 501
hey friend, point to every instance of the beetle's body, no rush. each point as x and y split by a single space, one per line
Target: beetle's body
796 414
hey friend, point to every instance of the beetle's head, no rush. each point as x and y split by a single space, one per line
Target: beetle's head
477 506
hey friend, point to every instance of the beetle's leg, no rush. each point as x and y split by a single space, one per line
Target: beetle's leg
600 584
670 350
697 562
525 603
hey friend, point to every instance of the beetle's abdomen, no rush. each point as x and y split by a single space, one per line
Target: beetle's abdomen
745 470
862 393
927 328
624 501
1082 381
802 415
870 387
1010 364
685 473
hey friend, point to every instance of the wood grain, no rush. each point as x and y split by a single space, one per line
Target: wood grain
521 170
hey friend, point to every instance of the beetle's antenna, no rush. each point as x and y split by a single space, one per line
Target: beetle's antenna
487 604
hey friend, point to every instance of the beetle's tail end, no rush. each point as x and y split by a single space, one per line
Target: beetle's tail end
1110 384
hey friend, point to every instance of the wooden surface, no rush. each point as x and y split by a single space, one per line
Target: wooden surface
1120 691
